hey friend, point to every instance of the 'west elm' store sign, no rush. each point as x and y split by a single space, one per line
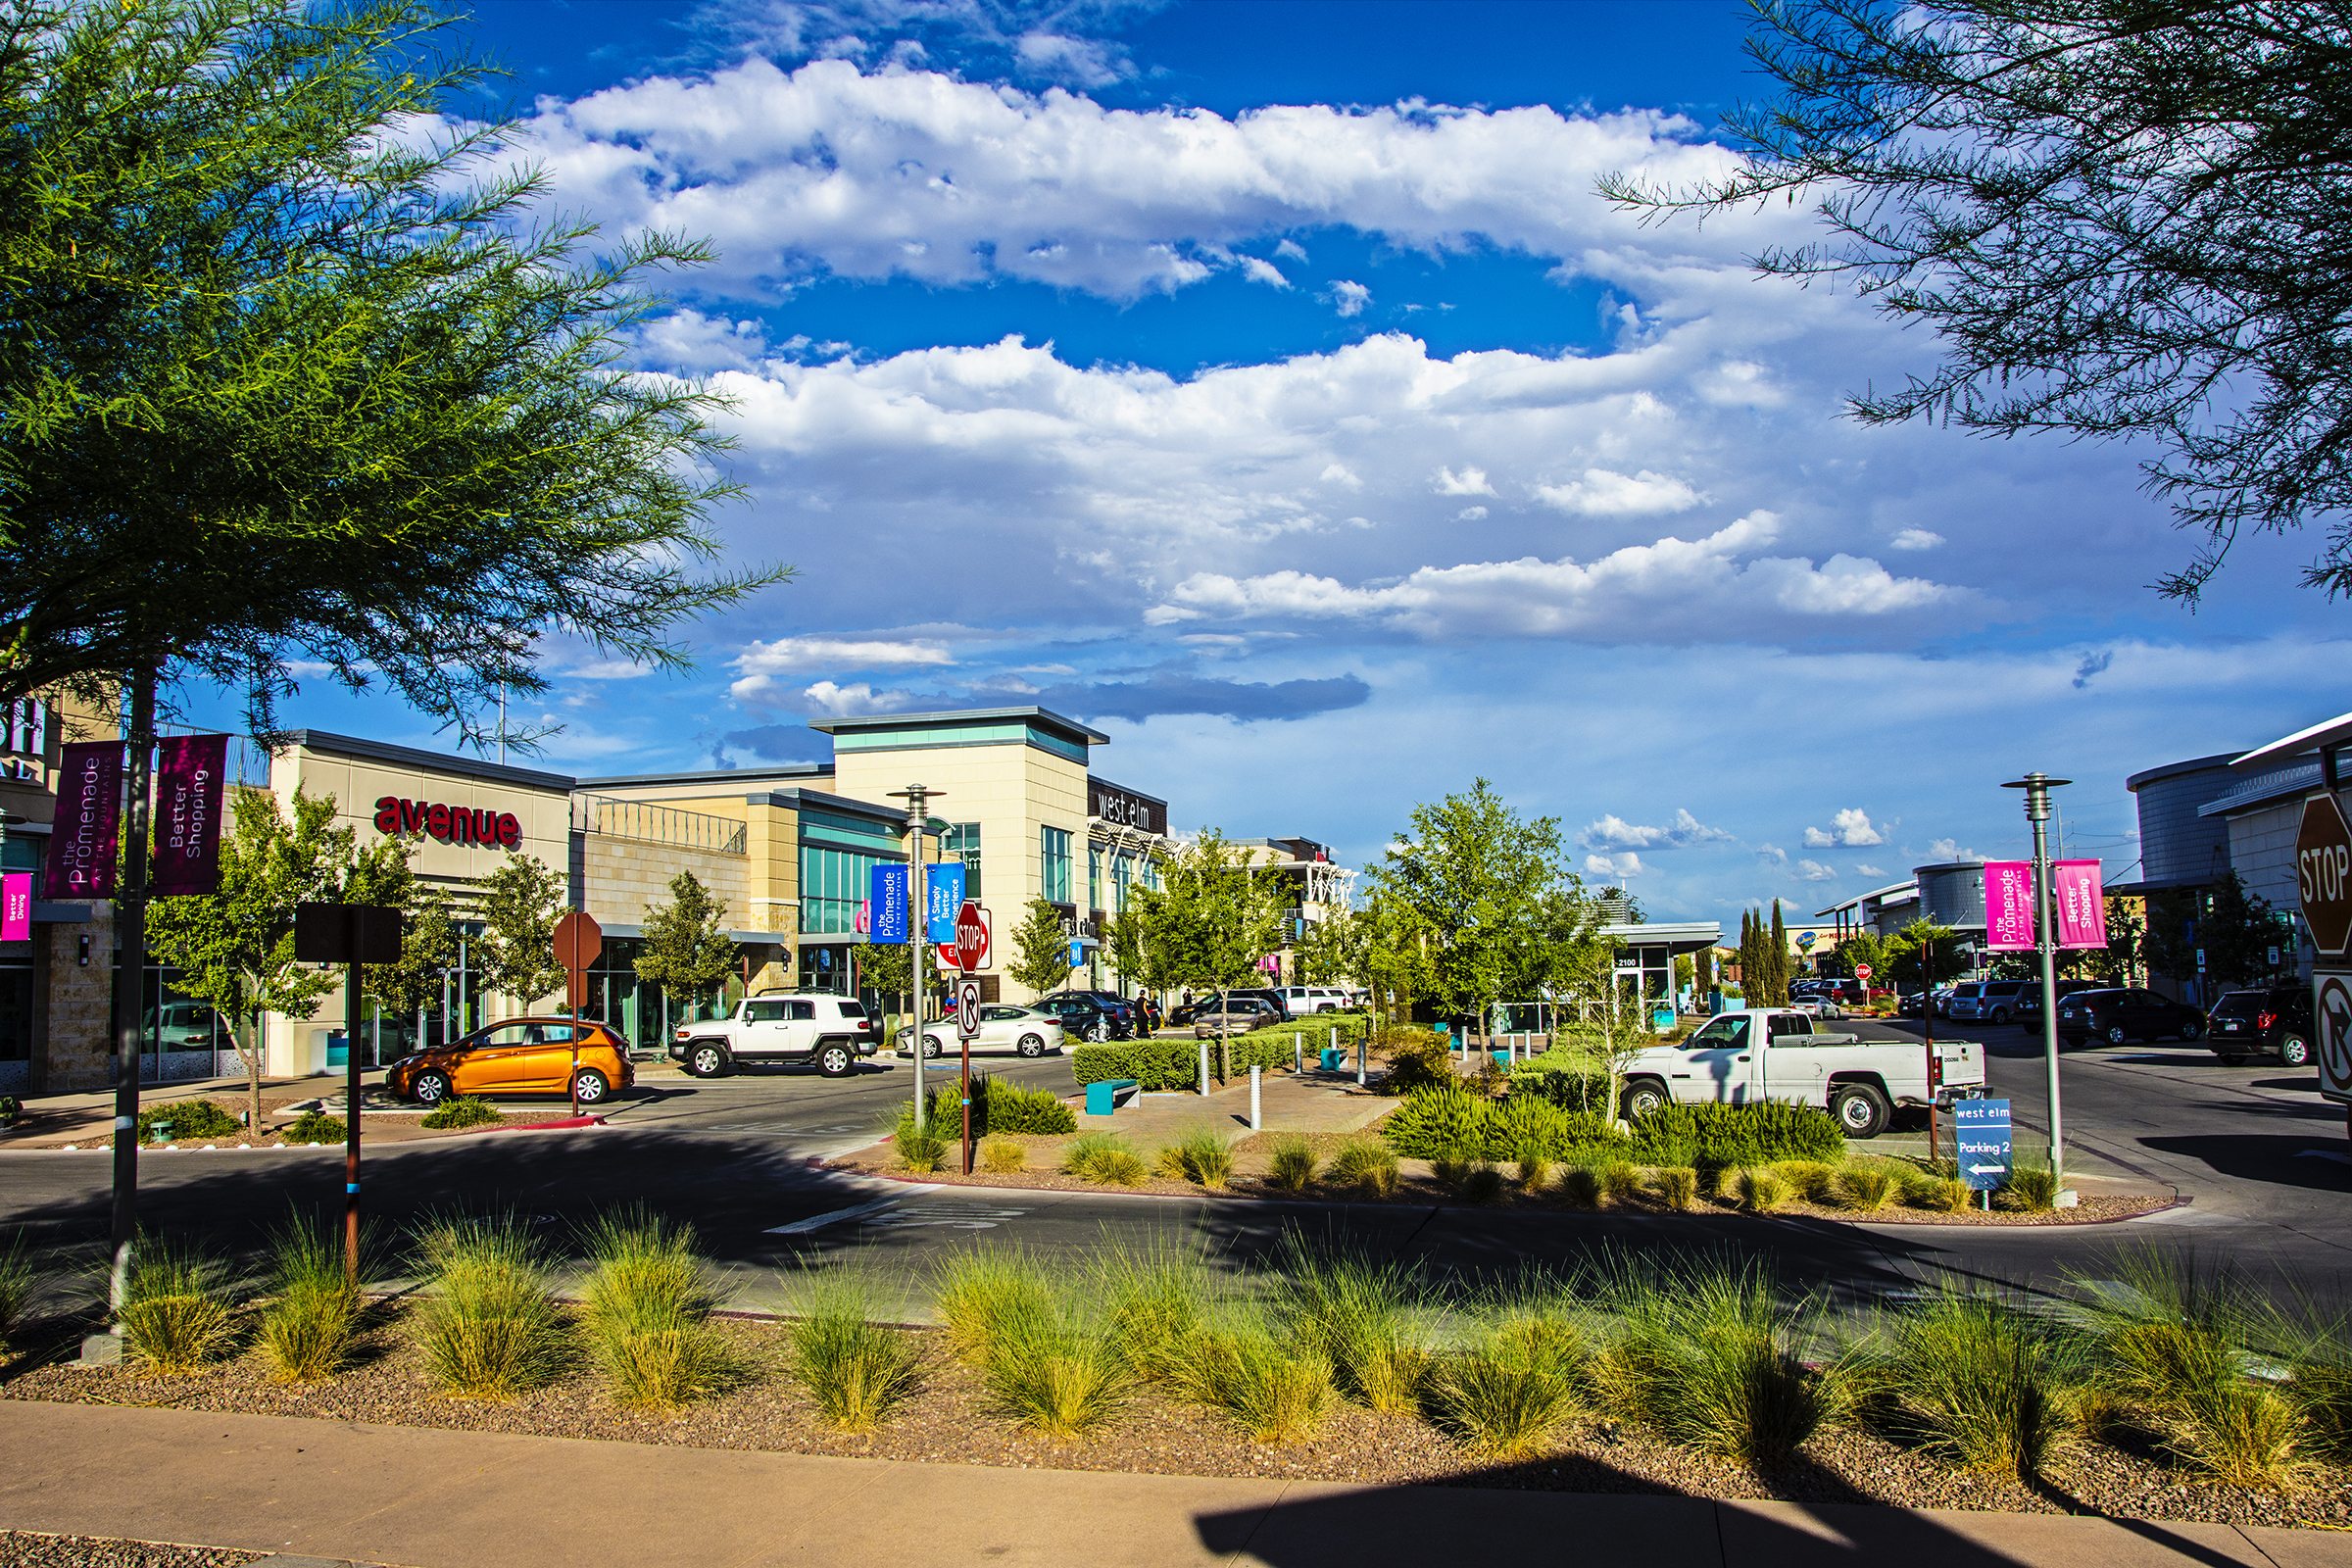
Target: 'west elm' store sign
448 825
1107 802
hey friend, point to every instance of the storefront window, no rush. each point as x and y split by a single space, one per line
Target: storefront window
961 842
1093 878
1054 853
833 888
1122 876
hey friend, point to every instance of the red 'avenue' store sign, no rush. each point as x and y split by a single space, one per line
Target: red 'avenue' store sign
448 825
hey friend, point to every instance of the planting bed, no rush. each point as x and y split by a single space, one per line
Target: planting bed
25 1548
949 1420
1418 1185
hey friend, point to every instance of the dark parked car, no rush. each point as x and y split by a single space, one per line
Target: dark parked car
1095 1016
1234 1013
2117 1013
2028 1002
2267 1020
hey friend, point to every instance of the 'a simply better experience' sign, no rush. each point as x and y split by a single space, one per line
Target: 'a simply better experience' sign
1982 1135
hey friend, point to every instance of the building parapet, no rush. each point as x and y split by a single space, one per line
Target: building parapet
657 824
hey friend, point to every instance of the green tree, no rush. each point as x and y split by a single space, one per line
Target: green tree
1396 953
292 369
1473 875
1778 940
2234 929
1331 950
2122 962
428 946
1923 954
1041 949
236 948
685 949
515 952
2122 219
1211 918
887 968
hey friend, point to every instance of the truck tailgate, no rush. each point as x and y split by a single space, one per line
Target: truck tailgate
1963 1062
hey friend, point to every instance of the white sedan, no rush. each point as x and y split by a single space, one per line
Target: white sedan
1023 1031
1816 1006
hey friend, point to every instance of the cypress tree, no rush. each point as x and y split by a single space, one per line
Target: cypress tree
1780 957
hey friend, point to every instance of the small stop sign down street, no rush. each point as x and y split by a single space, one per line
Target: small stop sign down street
2323 873
971 936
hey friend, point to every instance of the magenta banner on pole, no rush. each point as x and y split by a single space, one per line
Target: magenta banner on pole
189 779
2082 908
89 813
2009 906
16 907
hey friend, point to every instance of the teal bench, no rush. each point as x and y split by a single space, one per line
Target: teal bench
1102 1099
1334 1059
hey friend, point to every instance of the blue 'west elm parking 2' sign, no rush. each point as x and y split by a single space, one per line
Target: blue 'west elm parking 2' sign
1982 1136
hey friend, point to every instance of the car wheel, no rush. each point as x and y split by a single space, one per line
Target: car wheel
2194 1029
932 1048
704 1060
2294 1051
1099 1031
833 1059
1861 1109
1327 1007
1032 1046
1643 1098
430 1088
2000 1015
588 1087
2116 1035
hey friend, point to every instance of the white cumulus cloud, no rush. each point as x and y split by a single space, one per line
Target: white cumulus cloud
1600 493
1349 297
1621 868
761 664
1850 828
1614 832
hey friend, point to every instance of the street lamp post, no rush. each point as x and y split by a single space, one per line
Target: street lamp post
918 799
2037 787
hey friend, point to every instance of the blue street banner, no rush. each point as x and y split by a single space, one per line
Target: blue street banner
888 896
1982 1136
943 896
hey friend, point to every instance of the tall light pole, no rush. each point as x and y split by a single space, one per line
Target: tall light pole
918 799
2037 787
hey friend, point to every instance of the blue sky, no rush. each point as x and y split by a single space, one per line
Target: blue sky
1266 384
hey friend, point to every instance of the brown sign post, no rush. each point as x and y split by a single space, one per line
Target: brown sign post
349 934
579 942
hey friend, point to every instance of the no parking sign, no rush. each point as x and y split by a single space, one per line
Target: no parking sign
2332 1012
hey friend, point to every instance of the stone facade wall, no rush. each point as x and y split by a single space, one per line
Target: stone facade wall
625 875
74 1050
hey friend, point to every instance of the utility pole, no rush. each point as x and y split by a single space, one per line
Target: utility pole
2037 787
918 799
130 991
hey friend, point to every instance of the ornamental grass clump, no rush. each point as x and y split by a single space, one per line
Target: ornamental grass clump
1001 1157
1274 1390
1155 1298
1620 1182
312 1313
2175 1350
1758 1189
460 1112
1579 1185
1969 1377
646 1307
1104 1158
1368 1166
1292 1165
1363 1317
16 1286
1937 1195
919 1152
1812 1180
1676 1186
860 1371
1518 1386
2029 1188
178 1315
987 1297
1864 1188
1706 1354
1532 1170
1468 1177
491 1328
1044 1366
1204 1158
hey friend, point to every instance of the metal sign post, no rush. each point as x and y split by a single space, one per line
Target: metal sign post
579 942
352 935
2037 787
918 799
967 1025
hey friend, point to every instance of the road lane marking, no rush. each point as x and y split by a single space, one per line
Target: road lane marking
817 1222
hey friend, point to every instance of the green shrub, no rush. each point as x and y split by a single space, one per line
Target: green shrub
1524 1122
1365 1164
998 1106
1570 1078
2030 1189
491 1329
1275 1391
858 1371
1678 1187
1418 1062
1361 1317
176 1311
314 1127
16 1285
1579 1185
1706 1354
1157 1064
460 1112
1104 1158
1511 1393
1715 1136
1759 1189
1292 1164
172 1120
1434 1123
1201 1157
313 1306
1966 1376
1864 1188
1001 1156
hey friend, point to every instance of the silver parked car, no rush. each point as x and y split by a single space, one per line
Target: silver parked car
1003 1028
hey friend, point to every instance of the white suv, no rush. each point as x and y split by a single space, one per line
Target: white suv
1300 1000
801 1028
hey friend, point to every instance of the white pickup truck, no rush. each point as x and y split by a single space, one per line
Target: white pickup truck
1771 1053
789 1028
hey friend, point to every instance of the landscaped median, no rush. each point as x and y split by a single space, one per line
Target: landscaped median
298 1118
2166 1394
1521 1140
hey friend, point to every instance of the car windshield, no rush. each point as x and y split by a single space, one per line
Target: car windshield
1719 1033
2238 1004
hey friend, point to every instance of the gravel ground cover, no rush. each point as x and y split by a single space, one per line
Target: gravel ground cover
1253 1157
23 1549
950 1421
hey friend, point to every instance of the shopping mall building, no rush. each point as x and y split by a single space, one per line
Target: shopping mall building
788 849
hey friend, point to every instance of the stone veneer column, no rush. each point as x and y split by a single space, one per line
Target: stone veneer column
76 1051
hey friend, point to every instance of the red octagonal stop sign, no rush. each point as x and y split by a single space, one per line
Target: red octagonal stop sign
2323 873
971 936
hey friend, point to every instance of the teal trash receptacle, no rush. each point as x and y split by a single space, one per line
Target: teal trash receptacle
1332 1057
1503 1058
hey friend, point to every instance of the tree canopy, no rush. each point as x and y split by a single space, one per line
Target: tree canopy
2122 218
515 952
291 369
685 948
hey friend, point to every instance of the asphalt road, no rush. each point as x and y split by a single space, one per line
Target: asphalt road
2261 1158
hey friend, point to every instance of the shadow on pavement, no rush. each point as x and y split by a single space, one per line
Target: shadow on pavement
2285 1159
1522 1516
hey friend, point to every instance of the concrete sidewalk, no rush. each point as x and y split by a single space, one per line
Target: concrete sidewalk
1311 1103
421 1499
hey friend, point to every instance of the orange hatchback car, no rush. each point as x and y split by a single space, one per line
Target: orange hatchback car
520 1056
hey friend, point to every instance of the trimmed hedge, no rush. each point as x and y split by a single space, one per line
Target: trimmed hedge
1176 1063
1569 1078
1450 1121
